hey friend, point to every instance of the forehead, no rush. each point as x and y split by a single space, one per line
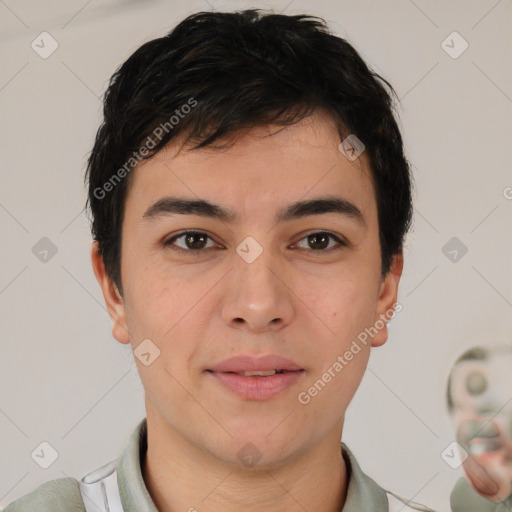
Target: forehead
262 169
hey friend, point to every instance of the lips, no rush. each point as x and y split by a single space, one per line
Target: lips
247 365
257 378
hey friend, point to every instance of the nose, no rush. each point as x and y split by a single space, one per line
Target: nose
257 296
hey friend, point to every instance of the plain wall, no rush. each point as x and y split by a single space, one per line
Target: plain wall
65 380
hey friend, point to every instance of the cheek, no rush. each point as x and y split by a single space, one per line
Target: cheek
347 307
329 390
159 310
165 314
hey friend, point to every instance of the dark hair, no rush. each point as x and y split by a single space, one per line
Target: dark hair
217 73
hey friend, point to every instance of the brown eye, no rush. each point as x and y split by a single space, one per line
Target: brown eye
320 240
192 241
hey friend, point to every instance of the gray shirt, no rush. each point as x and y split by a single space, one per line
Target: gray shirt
64 494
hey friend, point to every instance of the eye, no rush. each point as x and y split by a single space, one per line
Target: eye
320 240
194 242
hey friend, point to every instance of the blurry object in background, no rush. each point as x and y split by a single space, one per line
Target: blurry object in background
479 399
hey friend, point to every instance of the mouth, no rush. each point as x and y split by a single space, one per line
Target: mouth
257 384
259 373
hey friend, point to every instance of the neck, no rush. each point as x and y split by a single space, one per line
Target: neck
181 477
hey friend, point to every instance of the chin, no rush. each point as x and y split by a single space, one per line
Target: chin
255 448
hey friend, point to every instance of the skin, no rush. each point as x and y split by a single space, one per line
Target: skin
304 304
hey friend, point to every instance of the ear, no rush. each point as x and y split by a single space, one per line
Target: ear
388 294
113 299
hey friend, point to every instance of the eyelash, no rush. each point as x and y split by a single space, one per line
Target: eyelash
196 252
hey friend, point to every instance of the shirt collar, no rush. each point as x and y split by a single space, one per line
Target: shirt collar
132 488
363 493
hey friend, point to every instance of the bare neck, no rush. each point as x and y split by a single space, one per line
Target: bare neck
181 477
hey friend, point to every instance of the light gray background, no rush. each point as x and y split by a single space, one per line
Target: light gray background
65 380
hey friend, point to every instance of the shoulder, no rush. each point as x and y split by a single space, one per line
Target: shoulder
60 495
365 494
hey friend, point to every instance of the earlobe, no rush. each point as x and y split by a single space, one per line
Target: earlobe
113 300
387 300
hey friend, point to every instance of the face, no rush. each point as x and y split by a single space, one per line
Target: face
482 418
267 280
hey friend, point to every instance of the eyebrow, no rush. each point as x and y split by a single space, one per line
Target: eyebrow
316 206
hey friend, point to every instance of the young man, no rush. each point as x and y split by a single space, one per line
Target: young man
250 199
